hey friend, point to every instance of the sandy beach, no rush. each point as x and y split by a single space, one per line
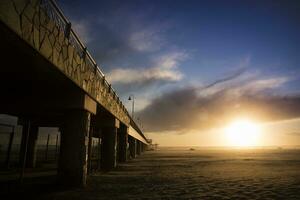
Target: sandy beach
181 173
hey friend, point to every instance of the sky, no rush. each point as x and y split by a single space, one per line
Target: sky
196 66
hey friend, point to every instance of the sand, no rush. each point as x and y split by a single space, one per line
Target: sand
181 173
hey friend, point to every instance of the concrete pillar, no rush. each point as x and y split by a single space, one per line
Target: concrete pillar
109 148
123 140
138 151
89 161
132 147
32 147
29 141
24 142
72 168
143 147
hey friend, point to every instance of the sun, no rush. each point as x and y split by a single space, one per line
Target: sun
243 133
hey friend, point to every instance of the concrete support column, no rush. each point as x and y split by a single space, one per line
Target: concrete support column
24 142
32 147
123 140
72 168
89 161
28 144
109 148
143 147
138 151
132 147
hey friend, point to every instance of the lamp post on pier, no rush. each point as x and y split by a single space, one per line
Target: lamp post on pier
131 98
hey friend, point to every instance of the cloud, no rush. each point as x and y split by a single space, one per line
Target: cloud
147 39
165 70
238 74
263 84
125 37
123 34
243 81
186 109
82 29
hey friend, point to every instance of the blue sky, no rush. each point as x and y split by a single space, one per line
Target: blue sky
156 49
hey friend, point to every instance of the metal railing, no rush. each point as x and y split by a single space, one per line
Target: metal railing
56 15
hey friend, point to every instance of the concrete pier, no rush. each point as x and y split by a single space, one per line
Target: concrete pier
32 146
142 147
123 141
138 148
109 144
24 142
72 168
132 147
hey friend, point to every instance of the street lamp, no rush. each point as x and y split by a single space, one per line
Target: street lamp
131 97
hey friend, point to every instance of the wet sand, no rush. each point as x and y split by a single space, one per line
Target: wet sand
179 173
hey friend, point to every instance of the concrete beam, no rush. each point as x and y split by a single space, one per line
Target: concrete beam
89 104
76 100
132 132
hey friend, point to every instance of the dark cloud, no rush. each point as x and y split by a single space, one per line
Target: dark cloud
229 78
184 109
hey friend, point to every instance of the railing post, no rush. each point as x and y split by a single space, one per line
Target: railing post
96 68
68 30
84 53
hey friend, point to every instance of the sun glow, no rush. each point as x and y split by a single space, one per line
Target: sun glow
243 133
